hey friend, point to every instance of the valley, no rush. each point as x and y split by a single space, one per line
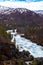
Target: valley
26 22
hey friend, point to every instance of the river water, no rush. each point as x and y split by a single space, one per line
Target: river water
27 45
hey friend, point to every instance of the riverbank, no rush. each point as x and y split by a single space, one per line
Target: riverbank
10 55
35 34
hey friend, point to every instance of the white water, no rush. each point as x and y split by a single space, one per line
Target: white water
27 45
24 44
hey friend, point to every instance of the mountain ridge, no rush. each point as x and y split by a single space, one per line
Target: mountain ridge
20 16
25 21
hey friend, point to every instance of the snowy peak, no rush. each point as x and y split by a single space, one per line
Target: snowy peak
8 10
39 11
3 9
19 16
21 10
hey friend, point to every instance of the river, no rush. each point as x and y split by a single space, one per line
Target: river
27 45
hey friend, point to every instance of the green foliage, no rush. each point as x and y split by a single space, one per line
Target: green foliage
4 33
14 41
19 61
34 62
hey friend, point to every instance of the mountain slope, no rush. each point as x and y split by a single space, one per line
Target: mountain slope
26 21
39 11
19 16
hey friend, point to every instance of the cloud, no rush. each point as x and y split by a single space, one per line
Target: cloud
23 0
30 6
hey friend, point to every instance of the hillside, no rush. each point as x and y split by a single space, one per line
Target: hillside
20 16
26 21
9 54
4 37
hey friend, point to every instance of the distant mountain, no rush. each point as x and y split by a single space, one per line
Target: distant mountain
19 16
39 11
5 10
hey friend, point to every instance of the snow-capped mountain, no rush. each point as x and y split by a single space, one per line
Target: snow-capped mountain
19 16
39 11
5 10
8 10
7 7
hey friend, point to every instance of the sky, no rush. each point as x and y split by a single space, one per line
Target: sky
24 0
29 4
